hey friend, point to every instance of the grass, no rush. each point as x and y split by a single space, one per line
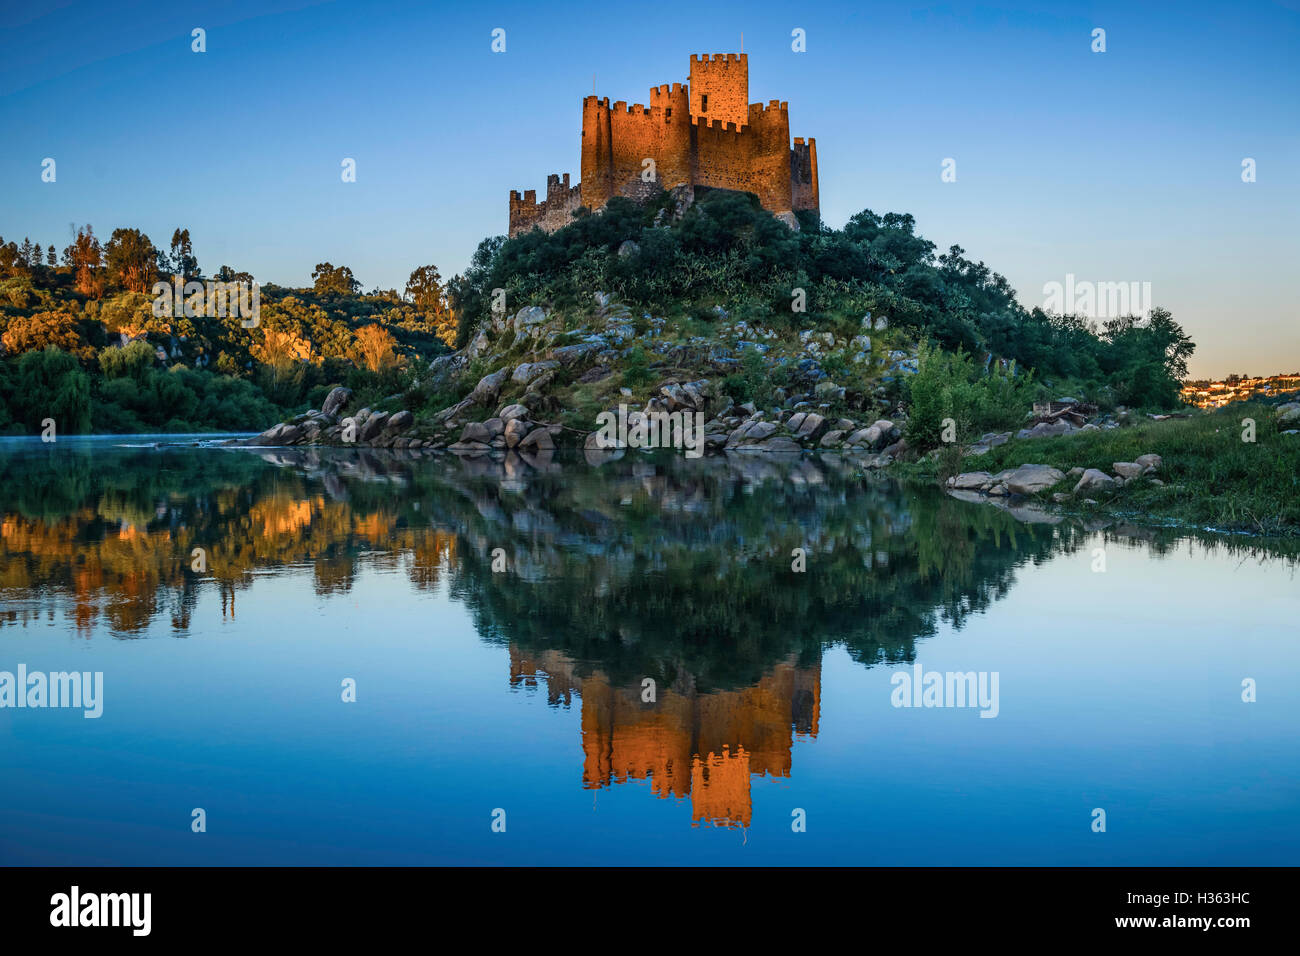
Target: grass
1213 478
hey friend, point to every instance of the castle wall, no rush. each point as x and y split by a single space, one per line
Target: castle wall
727 143
803 175
754 159
552 213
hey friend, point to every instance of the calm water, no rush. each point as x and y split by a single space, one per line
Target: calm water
522 690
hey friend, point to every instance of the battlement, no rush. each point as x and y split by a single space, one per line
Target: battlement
701 133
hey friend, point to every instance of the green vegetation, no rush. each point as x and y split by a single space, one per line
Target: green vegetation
80 342
1212 478
949 385
727 251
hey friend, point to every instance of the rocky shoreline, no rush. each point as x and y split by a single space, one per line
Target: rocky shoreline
512 407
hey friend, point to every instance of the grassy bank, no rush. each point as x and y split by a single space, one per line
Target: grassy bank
1212 477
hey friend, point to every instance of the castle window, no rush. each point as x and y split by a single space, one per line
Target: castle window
704 102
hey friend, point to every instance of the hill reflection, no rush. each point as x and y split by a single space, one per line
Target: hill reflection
618 574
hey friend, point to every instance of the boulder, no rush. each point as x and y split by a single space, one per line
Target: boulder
811 428
512 412
529 317
529 371
970 481
1047 429
1031 479
476 432
516 429
1094 479
1149 462
336 400
538 439
373 426
488 387
400 420
1127 469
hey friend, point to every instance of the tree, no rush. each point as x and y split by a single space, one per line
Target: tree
86 257
376 348
425 289
35 332
227 274
183 262
132 260
51 384
51 258
329 279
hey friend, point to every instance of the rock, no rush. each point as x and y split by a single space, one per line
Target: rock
780 443
538 439
1031 479
971 480
760 431
1094 478
470 448
1289 413
488 387
628 248
1060 497
495 426
476 432
529 371
1149 463
516 429
1074 472
373 426
336 400
400 420
512 412
811 428
860 437
795 421
832 439
1047 429
1127 469
529 317
572 354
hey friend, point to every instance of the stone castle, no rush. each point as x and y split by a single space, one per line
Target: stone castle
702 134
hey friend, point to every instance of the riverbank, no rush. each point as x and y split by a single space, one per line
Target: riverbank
1235 469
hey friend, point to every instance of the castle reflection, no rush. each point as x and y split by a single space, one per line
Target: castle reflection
686 743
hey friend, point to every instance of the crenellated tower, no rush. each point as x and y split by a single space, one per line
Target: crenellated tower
704 133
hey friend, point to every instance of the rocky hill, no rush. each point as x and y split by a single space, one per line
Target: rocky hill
536 380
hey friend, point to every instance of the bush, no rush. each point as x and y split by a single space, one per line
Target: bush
948 386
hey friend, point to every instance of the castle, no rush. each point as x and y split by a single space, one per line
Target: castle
703 134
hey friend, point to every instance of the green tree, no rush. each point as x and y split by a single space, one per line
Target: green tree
132 260
338 280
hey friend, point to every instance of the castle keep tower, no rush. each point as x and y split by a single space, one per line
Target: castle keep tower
705 133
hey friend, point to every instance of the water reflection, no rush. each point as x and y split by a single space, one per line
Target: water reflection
622 576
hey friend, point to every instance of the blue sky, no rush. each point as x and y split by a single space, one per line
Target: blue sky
1115 166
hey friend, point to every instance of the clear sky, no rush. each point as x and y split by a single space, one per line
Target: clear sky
1115 166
